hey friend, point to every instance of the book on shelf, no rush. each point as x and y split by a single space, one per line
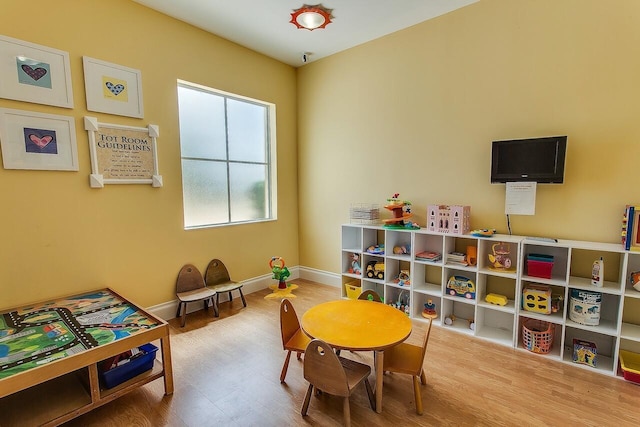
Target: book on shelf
429 256
625 227
633 226
629 227
457 258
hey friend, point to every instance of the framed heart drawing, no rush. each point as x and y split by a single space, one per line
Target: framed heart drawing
37 141
34 73
112 88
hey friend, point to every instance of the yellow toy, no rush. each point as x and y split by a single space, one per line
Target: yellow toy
496 299
537 298
375 270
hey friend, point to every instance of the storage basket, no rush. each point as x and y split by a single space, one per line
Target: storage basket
537 335
353 291
136 366
538 268
630 364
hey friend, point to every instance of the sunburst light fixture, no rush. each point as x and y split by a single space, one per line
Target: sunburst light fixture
311 17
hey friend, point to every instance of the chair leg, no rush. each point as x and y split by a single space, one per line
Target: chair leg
423 378
307 398
347 412
179 307
416 395
230 297
299 355
215 303
244 301
285 366
184 315
372 400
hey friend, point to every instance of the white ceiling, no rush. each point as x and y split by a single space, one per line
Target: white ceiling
263 25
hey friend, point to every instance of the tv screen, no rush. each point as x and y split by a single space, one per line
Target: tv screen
535 159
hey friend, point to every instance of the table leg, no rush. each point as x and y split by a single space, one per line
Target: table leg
379 373
166 364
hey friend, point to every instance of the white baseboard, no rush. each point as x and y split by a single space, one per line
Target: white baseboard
167 310
320 276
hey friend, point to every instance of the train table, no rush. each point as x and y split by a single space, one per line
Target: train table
50 355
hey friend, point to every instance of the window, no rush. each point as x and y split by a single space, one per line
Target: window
227 146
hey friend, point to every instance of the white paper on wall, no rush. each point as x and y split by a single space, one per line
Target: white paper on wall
520 198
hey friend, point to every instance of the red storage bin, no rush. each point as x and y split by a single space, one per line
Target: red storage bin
539 268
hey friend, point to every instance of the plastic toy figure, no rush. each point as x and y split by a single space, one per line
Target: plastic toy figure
280 272
403 278
355 265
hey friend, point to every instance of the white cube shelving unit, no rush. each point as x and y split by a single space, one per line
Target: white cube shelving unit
619 326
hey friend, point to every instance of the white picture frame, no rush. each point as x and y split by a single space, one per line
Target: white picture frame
34 73
37 141
122 154
112 89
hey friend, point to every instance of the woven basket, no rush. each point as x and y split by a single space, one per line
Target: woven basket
537 335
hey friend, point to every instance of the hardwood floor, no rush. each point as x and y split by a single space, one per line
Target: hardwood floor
226 373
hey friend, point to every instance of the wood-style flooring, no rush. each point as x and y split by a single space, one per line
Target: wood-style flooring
226 373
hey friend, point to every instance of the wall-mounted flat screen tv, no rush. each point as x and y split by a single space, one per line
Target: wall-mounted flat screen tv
534 159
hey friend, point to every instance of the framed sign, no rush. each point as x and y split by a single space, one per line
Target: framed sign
122 154
34 73
112 88
37 141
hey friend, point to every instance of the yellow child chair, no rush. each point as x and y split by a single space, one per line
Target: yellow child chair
217 278
365 295
408 359
190 287
293 338
335 375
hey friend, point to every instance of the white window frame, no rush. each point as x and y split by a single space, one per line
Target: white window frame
271 152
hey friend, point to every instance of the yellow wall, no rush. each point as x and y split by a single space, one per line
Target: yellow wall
59 236
415 113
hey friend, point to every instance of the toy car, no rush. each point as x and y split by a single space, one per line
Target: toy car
496 299
461 286
375 269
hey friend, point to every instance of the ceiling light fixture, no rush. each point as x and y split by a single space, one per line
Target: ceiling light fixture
311 17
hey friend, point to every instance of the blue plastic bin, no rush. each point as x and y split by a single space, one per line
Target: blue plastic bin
136 366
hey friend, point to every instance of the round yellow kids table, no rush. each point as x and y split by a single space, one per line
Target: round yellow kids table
358 325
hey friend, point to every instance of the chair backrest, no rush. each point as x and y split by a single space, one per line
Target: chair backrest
216 273
374 295
323 369
289 323
426 341
189 279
